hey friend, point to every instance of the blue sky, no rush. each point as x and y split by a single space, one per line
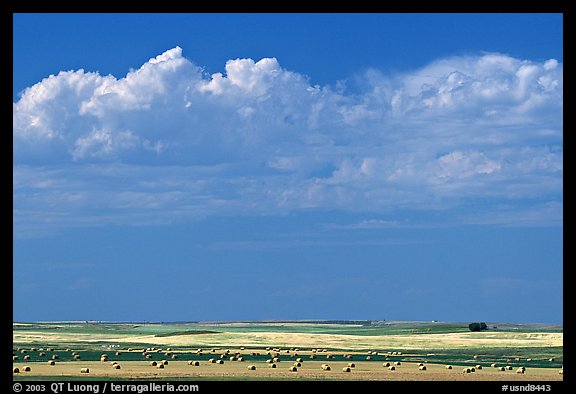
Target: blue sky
288 166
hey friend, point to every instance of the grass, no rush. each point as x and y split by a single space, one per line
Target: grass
432 343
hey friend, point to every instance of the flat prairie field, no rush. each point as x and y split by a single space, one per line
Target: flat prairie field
299 351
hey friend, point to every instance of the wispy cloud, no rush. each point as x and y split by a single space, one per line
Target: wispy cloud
168 142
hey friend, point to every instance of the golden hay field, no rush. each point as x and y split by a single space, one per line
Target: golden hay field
461 349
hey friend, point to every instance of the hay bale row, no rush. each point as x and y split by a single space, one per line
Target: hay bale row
194 363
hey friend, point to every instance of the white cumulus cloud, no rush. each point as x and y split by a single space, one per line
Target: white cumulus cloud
260 138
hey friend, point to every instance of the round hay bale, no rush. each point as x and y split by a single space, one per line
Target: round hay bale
148 356
352 365
551 359
51 362
422 368
528 359
421 365
232 358
116 366
194 363
509 367
220 362
472 369
84 370
54 357
241 359
23 351
397 363
104 359
300 360
520 370
113 363
293 369
272 365
33 349
174 356
368 357
223 356
26 357
16 370
276 359
392 368
326 367
516 358
501 369
561 372
153 363
349 356
478 366
466 370
251 367
42 354
160 366
493 365
329 356
118 353
448 366
76 357
165 362
26 369
168 349
297 364
312 356
386 364
49 349
346 369
475 357
14 358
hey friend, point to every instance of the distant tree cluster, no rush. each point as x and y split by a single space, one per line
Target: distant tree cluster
477 326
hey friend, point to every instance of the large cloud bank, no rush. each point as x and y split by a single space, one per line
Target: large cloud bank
479 131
